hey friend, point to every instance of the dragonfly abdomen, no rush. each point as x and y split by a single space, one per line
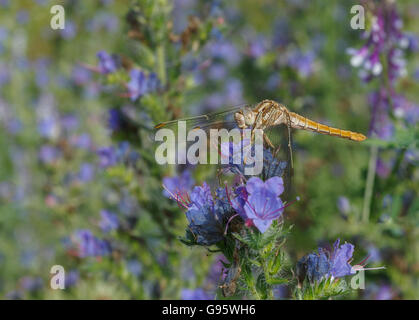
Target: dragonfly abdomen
300 122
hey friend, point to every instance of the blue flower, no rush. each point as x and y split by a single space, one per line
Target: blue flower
109 221
195 294
315 266
324 264
107 157
137 86
303 63
272 167
86 172
90 246
340 258
177 185
114 119
48 154
140 84
263 204
206 216
107 64
71 278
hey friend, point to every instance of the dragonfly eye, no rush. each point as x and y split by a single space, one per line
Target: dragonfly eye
249 118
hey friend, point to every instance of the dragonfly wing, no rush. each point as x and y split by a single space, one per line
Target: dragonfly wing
278 160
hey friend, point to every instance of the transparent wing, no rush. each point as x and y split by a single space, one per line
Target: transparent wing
280 164
216 120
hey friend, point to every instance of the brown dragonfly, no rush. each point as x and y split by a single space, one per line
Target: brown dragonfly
267 115
264 115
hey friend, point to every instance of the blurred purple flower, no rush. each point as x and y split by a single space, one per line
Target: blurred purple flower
343 205
71 278
195 294
81 141
22 16
90 246
385 292
107 63
385 38
48 154
134 267
383 168
31 284
80 75
69 122
303 63
109 221
257 47
103 20
140 84
86 172
70 30
107 156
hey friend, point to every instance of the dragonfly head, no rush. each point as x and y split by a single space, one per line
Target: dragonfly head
245 118
249 116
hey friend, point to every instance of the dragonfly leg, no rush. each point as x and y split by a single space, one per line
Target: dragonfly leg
268 141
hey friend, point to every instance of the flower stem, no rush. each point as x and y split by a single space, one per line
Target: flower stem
161 64
369 186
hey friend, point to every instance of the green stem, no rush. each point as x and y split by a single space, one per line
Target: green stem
161 64
369 187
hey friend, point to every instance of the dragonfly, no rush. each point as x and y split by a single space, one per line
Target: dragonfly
267 115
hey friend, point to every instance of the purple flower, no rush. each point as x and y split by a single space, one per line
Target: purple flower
48 154
303 63
90 246
31 283
263 204
140 84
385 38
177 185
257 47
81 141
70 30
114 119
71 278
324 264
340 258
343 205
195 294
107 63
86 172
22 16
315 266
109 221
137 85
80 75
134 267
385 292
207 215
69 122
380 123
107 157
